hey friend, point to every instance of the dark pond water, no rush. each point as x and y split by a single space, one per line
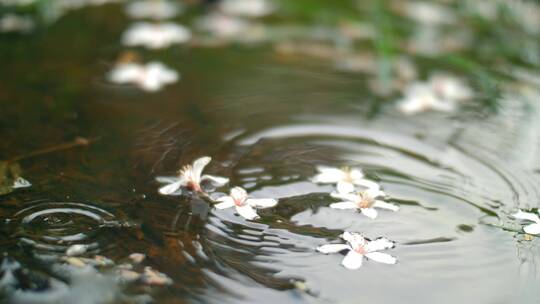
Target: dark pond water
318 84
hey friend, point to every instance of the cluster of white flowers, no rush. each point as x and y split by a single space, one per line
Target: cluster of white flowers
346 180
364 200
191 177
153 76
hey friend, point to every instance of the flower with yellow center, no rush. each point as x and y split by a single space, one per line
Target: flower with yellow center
359 247
244 205
345 178
366 201
190 177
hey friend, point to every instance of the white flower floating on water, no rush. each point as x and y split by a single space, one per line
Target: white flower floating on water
360 247
244 205
223 26
155 35
153 9
190 177
533 217
246 8
366 201
15 23
345 178
150 77
442 93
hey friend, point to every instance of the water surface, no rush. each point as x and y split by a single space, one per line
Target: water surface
268 117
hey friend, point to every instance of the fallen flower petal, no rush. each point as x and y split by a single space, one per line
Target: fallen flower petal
358 246
442 92
345 178
189 177
150 77
245 206
364 201
353 260
533 217
15 23
155 36
154 9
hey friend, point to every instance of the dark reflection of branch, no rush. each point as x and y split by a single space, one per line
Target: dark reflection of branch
77 142
430 241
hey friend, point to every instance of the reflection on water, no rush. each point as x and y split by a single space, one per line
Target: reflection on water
270 90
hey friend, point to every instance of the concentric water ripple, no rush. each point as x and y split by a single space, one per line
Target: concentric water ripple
444 192
51 227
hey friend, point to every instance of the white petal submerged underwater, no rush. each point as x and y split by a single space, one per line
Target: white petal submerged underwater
359 247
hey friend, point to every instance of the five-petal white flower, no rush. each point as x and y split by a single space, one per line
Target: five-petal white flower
366 201
153 9
155 35
345 178
533 217
149 77
190 177
360 247
244 205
